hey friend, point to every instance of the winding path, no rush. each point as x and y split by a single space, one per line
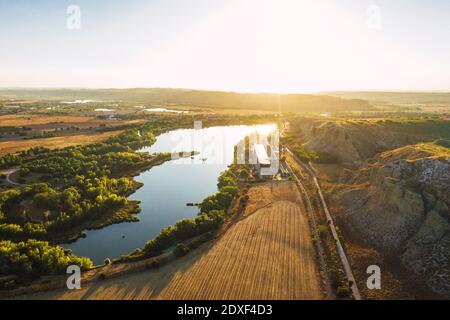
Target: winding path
8 174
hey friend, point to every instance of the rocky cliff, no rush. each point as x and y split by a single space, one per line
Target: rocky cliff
399 202
350 143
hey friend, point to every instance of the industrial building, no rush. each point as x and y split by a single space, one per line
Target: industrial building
263 162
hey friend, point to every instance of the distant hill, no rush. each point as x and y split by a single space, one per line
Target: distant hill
395 97
211 99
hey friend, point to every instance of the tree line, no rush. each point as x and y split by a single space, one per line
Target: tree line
33 258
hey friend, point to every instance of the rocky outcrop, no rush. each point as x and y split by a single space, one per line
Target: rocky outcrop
348 143
399 202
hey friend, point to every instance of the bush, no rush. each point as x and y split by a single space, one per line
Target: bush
185 229
10 230
164 240
322 231
208 236
205 223
305 154
180 250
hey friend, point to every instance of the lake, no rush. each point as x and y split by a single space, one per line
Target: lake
168 187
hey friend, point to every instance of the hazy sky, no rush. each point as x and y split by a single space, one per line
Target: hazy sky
243 45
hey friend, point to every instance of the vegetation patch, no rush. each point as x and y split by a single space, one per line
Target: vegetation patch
34 258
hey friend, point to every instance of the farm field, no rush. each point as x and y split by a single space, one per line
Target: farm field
55 142
266 253
51 121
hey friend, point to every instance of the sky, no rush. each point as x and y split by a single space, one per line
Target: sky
232 45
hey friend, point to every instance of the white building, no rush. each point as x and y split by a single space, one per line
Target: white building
262 162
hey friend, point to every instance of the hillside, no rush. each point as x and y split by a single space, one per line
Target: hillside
396 97
399 203
350 143
211 99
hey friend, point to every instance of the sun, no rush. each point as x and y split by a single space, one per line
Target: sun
263 46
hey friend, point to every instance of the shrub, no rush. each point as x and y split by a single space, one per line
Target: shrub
10 230
208 236
180 250
233 190
185 229
226 180
305 154
322 231
34 230
205 223
166 238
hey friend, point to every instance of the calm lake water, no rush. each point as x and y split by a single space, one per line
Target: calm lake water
168 187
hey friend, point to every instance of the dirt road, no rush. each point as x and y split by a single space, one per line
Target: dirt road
8 174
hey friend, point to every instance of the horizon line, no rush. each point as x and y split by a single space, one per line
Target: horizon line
228 91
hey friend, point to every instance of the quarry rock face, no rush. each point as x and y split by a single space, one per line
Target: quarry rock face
399 202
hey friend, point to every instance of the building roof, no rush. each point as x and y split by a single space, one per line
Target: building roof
261 154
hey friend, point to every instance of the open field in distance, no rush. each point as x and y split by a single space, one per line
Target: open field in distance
55 142
20 120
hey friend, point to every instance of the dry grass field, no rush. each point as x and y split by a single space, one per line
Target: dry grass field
64 137
49 122
54 142
266 254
